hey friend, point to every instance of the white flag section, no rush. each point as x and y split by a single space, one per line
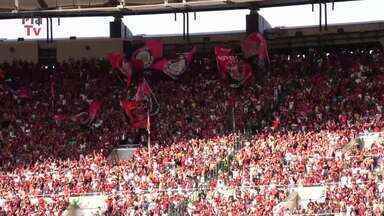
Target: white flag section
285 207
87 205
300 196
368 138
307 194
2 202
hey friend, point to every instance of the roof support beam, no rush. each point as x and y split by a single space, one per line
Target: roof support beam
17 4
42 4
162 8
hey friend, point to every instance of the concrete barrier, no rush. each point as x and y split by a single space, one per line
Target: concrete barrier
121 153
88 205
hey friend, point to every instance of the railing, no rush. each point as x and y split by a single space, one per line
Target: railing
181 208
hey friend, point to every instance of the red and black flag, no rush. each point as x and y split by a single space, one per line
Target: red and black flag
149 53
175 67
136 112
141 106
115 59
255 45
231 67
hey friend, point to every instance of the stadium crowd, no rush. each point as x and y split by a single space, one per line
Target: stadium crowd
297 127
312 141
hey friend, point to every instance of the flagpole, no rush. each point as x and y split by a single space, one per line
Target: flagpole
149 136
233 119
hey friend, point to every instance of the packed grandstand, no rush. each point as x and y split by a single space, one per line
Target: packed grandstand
235 130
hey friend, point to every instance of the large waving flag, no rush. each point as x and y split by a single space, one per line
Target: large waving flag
156 48
128 106
231 67
225 59
115 59
255 45
151 51
137 65
135 112
141 106
175 67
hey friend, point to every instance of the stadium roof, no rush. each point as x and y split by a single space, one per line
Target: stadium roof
75 8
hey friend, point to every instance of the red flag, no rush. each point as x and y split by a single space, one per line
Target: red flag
115 59
225 60
156 48
223 51
152 50
160 65
94 109
255 44
139 123
136 109
128 106
138 65
189 55
228 64
143 55
143 91
135 113
175 67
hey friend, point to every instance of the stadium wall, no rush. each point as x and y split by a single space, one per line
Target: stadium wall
279 32
278 38
87 48
22 50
